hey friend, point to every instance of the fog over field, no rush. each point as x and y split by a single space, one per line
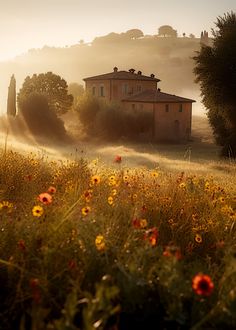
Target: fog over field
170 59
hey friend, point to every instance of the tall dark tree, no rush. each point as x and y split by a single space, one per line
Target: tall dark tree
215 69
49 85
11 99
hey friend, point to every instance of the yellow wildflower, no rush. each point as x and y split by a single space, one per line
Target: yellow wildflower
100 243
182 185
143 223
198 238
110 200
221 199
95 179
85 210
37 211
7 206
155 174
114 192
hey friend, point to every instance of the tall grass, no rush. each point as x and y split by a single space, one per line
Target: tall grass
85 246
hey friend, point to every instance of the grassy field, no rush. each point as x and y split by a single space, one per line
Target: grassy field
117 236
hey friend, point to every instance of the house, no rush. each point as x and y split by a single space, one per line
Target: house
172 115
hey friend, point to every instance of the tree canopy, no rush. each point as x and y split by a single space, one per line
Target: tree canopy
50 85
134 33
40 119
215 69
167 31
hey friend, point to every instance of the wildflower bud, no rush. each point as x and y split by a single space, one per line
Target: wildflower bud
21 245
117 159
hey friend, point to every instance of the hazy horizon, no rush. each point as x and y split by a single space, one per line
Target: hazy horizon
31 24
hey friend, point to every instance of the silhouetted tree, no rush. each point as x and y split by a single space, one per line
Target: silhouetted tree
50 85
40 118
215 70
134 33
11 99
167 31
204 38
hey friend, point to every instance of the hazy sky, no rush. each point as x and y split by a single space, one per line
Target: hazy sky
32 24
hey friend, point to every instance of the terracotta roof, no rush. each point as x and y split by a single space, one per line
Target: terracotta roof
156 96
122 75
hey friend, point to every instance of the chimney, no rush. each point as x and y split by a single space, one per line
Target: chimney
115 69
152 75
140 72
131 70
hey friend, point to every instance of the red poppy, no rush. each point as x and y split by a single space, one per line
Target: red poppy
52 190
72 264
136 223
202 285
45 198
21 245
117 159
172 251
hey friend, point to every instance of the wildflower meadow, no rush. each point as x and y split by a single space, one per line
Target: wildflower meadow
85 246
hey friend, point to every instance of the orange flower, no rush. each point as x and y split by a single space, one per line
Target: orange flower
202 285
117 159
151 235
51 190
45 198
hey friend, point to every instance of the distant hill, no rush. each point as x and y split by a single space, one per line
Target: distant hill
170 59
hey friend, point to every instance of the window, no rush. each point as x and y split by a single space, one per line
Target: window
94 90
181 108
131 90
167 107
124 89
101 90
139 88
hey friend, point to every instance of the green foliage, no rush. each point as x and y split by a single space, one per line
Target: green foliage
11 99
101 310
40 119
110 121
49 85
216 72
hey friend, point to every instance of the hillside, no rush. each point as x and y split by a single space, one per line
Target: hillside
170 59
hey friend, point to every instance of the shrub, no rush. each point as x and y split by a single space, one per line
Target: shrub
40 119
110 121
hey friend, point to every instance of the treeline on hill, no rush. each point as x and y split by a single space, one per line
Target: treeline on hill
168 56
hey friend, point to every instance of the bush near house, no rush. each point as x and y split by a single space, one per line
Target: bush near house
110 121
84 246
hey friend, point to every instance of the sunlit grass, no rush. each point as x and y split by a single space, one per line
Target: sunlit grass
164 238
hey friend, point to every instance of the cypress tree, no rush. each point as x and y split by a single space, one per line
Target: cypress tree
11 99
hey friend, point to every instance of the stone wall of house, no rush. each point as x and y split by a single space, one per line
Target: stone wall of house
172 121
115 90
